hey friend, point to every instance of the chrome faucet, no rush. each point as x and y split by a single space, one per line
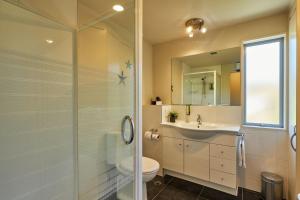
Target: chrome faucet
199 120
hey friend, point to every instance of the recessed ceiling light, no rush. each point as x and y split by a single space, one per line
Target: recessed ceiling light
49 41
118 8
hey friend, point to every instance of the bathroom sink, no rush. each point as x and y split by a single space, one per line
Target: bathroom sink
204 126
195 125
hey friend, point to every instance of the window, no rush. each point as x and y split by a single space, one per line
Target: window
264 83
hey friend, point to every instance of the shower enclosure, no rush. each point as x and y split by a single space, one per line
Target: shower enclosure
70 100
201 88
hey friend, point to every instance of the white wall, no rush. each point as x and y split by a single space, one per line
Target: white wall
266 150
147 78
152 120
227 37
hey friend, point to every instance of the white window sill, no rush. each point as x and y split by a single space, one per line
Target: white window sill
264 127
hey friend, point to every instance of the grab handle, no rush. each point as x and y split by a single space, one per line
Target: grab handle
292 139
130 120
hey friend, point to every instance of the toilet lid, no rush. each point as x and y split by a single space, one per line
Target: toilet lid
149 165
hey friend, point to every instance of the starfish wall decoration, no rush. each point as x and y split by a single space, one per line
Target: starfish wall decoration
122 78
128 64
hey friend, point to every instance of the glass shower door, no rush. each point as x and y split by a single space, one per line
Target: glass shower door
106 100
36 106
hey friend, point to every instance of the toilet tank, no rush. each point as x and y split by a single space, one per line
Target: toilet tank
112 143
116 149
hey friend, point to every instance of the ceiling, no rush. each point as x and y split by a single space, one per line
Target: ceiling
101 10
25 35
164 19
226 56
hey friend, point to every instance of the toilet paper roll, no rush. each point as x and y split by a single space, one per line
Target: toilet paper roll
155 136
148 135
151 136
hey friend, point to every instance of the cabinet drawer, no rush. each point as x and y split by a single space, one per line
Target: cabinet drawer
223 165
222 178
224 139
225 152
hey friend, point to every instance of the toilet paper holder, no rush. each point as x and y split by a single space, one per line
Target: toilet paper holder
152 135
153 130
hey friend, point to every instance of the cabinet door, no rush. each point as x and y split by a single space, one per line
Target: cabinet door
196 159
173 154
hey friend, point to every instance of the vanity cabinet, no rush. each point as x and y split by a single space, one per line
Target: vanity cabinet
211 161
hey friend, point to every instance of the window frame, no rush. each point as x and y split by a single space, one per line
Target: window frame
281 40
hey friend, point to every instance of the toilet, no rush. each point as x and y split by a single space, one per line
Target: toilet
120 156
150 169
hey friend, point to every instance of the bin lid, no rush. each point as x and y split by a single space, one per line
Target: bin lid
271 177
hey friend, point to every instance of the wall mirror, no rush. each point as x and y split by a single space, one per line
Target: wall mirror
207 79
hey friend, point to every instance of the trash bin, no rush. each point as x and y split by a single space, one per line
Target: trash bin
271 186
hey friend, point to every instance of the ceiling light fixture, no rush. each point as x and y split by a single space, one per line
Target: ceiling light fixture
203 30
189 29
49 41
195 25
118 8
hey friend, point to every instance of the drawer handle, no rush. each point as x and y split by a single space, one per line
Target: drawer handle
222 152
222 179
179 144
222 165
187 145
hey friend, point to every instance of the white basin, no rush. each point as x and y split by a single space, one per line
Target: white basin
204 126
195 125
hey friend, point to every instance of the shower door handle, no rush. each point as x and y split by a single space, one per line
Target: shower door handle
131 124
292 138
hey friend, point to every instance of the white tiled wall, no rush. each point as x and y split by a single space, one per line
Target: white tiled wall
266 149
214 114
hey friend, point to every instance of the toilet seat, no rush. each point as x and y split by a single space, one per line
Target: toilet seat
150 166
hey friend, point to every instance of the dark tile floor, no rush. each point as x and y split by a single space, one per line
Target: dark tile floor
171 188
